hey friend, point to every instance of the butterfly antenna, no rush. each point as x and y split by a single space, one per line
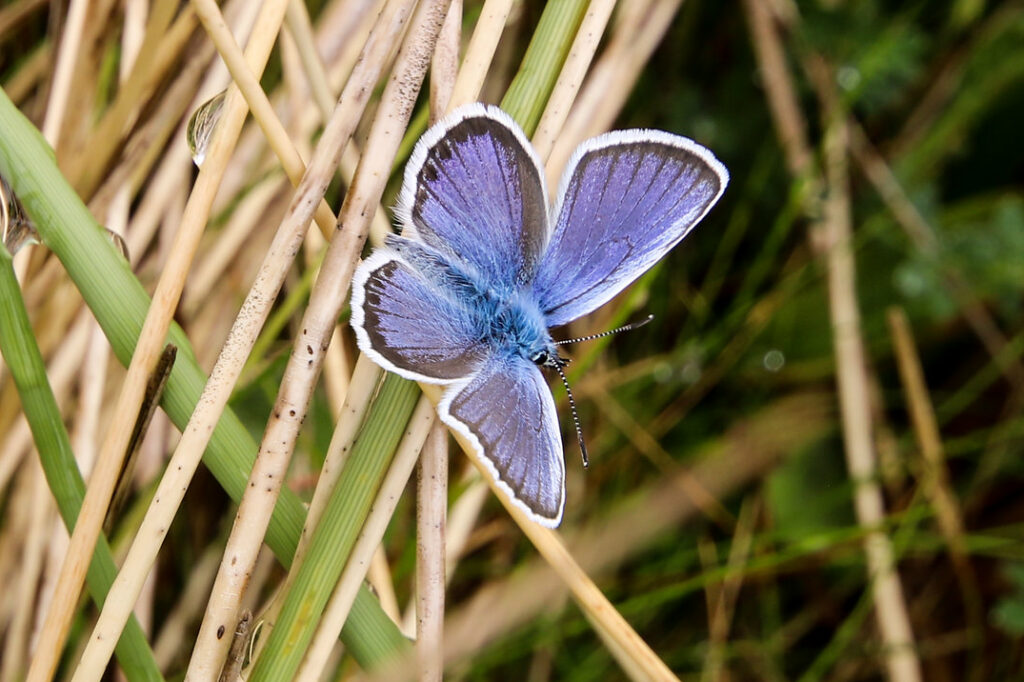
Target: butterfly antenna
575 415
623 328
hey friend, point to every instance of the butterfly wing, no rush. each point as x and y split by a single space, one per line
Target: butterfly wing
473 189
626 198
411 325
507 413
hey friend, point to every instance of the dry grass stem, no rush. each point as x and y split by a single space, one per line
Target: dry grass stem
480 52
854 402
67 55
462 518
85 170
344 594
642 25
378 575
790 126
588 36
154 331
17 12
259 104
31 562
173 635
365 378
744 454
336 362
431 508
636 654
299 25
230 241
833 239
317 327
935 479
445 64
724 605
29 74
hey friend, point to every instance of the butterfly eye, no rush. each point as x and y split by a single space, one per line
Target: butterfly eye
540 358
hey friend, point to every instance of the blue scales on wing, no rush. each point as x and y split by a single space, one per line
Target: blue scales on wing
412 325
474 191
507 412
626 199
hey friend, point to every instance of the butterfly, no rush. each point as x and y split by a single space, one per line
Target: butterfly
485 266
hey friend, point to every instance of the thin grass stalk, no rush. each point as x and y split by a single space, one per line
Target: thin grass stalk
268 474
740 456
431 508
67 55
611 79
119 302
232 238
935 475
85 169
480 52
365 380
444 65
329 293
379 577
176 627
336 534
790 126
25 363
299 25
570 78
337 609
632 653
151 341
645 442
529 91
337 365
15 13
31 563
720 612
851 378
30 71
262 111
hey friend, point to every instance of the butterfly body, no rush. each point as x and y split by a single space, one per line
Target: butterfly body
485 267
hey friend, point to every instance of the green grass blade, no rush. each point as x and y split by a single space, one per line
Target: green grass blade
353 495
338 530
25 362
529 91
119 303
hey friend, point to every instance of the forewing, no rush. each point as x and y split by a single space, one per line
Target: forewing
473 189
410 325
506 411
626 198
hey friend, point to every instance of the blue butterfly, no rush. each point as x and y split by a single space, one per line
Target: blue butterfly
484 267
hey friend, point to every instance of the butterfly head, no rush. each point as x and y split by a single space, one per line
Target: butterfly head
548 357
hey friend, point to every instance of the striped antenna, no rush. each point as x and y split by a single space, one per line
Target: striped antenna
623 328
572 405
